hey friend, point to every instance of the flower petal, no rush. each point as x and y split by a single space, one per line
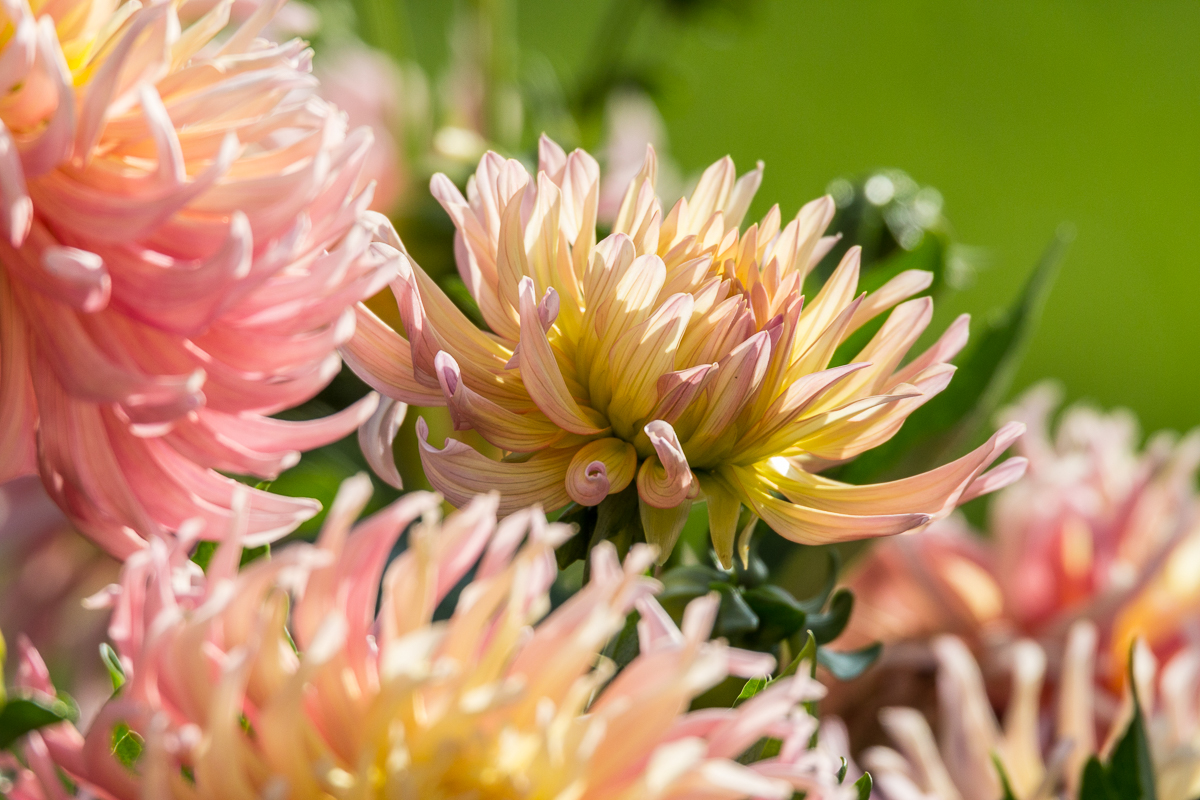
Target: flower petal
460 473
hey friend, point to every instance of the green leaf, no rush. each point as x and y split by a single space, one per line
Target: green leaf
848 665
252 554
112 662
807 653
21 715
127 745
735 616
841 773
204 553
623 648
1094 784
814 604
864 786
949 423
1005 785
752 687
828 626
1130 769
780 614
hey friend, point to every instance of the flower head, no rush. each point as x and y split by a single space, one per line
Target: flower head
181 240
1096 530
239 693
678 355
961 761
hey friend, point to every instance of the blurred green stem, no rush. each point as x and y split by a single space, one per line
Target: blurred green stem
383 24
600 69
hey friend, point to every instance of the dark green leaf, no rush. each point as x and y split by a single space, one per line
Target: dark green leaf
763 748
1095 785
127 745
575 548
1005 785
204 553
21 715
780 615
807 653
617 521
828 626
682 585
112 662
1131 768
841 773
735 615
848 665
252 554
752 687
623 648
814 604
864 786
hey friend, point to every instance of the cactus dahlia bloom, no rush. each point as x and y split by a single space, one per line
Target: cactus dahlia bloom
1095 530
959 763
181 241
240 692
678 355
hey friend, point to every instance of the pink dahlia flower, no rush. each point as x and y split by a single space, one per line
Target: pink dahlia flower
1096 530
678 356
181 245
1041 748
283 680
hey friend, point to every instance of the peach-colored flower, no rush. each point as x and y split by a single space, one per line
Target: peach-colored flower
182 241
283 680
959 763
1095 530
678 354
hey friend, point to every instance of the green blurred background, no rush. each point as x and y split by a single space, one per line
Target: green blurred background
1023 114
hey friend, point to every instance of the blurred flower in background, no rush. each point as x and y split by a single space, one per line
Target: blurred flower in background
47 570
974 754
288 678
183 238
1097 530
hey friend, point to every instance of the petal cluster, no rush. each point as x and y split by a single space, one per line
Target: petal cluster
678 355
961 761
284 680
181 243
1096 530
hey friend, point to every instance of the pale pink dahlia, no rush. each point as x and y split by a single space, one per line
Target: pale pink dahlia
679 355
181 243
283 680
1041 746
1097 529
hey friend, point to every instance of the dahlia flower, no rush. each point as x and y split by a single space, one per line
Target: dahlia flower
678 355
283 680
959 763
181 241
1095 530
